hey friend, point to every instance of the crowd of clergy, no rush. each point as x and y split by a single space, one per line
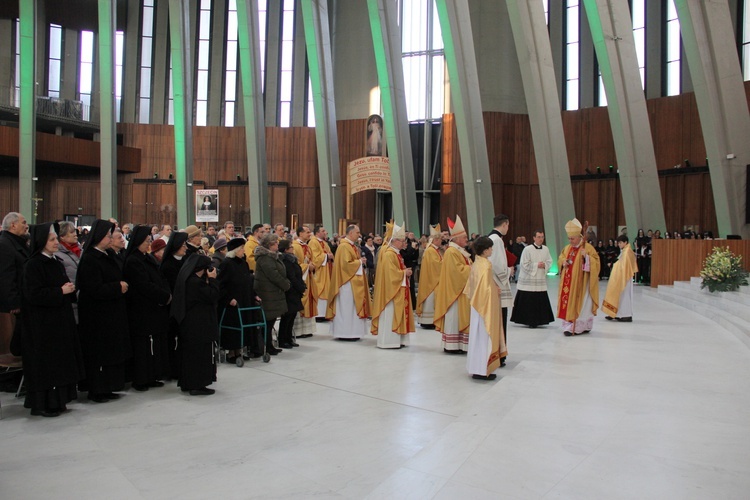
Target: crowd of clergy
144 305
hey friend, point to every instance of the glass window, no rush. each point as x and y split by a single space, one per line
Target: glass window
572 48
204 60
639 35
147 58
230 74
673 82
745 26
86 72
55 61
119 48
310 117
423 60
287 63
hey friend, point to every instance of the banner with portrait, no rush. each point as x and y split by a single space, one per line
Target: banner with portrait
207 205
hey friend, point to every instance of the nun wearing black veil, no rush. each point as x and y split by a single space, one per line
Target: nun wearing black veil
102 315
171 263
148 301
52 359
174 256
196 295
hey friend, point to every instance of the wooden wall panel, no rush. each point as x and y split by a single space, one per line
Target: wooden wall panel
680 260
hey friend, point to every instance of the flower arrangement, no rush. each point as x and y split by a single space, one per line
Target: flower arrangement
722 271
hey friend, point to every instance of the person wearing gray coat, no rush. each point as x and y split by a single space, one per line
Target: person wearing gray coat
271 284
69 254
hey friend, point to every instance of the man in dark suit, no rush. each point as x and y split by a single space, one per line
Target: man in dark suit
14 251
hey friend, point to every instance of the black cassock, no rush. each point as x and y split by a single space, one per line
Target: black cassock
148 316
52 358
236 282
103 321
199 332
170 269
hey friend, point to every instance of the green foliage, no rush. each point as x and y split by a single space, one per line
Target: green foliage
723 272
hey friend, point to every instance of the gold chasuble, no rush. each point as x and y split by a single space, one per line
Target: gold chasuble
483 296
572 291
391 286
454 273
309 299
322 276
250 247
622 274
345 268
429 275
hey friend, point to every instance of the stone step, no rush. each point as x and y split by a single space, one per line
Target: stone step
740 296
739 327
698 281
735 305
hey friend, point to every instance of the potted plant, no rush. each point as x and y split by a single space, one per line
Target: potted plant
723 272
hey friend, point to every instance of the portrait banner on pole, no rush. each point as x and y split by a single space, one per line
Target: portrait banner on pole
372 172
206 205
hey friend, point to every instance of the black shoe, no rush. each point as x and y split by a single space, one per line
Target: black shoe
295 344
140 387
203 391
321 319
452 351
156 383
98 398
502 362
629 319
491 376
273 351
568 334
232 359
610 318
427 327
111 396
246 357
45 413
286 345
255 355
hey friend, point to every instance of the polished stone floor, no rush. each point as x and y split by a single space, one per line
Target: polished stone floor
658 408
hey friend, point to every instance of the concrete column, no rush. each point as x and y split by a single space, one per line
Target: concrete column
557 42
654 49
318 40
27 14
299 83
612 32
252 97
711 51
107 128
42 35
71 49
131 62
7 57
386 39
216 72
353 61
543 102
182 83
160 69
96 83
587 75
464 83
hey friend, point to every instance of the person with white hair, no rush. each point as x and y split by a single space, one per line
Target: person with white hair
578 296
